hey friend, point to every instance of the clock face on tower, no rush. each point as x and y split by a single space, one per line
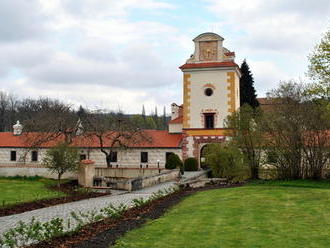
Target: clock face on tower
208 50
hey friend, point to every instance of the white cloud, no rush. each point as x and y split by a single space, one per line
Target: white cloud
278 25
21 20
276 36
92 52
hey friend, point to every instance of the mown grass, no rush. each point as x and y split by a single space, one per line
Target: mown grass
260 214
16 190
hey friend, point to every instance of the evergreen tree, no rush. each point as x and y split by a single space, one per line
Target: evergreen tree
164 118
143 112
247 92
156 112
81 112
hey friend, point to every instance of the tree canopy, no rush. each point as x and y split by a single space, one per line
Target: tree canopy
60 159
319 67
247 91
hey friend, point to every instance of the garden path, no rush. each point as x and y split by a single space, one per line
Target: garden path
63 210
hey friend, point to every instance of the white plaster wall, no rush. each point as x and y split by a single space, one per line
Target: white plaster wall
190 146
175 128
198 100
131 157
22 155
125 158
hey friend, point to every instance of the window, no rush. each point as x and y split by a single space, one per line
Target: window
208 92
82 157
209 120
113 157
12 155
34 156
168 154
144 157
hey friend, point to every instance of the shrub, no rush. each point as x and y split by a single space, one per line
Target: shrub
227 162
190 164
173 162
272 156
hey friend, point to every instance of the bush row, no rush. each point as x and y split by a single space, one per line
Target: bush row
173 162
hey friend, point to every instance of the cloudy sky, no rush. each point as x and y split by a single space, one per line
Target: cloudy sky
121 54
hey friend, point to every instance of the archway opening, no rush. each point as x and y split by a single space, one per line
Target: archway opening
202 157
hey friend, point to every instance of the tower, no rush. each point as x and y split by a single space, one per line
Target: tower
210 93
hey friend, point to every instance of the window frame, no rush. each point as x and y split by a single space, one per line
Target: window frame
208 91
207 122
13 155
34 156
144 157
113 154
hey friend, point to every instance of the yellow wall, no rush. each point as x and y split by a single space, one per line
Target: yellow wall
201 132
231 89
186 100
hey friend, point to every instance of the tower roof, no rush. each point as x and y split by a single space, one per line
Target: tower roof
208 36
209 65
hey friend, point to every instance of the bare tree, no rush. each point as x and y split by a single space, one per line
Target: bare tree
4 103
46 120
316 138
284 130
8 109
113 131
297 132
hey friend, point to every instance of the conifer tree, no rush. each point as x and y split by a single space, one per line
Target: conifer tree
164 118
156 112
143 112
247 91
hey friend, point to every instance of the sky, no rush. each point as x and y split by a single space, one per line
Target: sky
120 55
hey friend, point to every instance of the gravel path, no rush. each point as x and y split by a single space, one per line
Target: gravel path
63 210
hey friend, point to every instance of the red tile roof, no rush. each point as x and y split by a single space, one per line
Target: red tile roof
209 65
177 120
152 139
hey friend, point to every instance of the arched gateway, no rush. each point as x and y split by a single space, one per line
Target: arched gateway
210 94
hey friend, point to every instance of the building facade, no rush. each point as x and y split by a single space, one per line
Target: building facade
210 94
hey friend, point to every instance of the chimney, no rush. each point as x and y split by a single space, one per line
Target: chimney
175 111
18 128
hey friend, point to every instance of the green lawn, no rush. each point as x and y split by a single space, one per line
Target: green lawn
274 214
13 191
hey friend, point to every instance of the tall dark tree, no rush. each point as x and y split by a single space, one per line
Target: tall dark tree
143 112
164 119
81 112
247 91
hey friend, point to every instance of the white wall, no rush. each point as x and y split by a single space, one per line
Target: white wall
199 102
125 158
175 128
131 157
